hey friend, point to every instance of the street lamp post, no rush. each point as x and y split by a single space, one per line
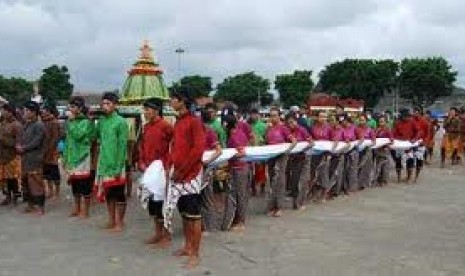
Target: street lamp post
179 52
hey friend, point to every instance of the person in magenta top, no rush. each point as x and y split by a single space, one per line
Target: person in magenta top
382 154
336 170
383 131
351 159
237 197
366 155
297 176
277 133
320 131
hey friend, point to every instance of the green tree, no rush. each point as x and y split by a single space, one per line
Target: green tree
294 88
15 90
423 80
54 84
244 90
365 79
198 86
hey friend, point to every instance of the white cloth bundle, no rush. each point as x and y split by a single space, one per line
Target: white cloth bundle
152 183
261 153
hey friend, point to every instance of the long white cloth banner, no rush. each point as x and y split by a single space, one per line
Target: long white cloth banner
262 153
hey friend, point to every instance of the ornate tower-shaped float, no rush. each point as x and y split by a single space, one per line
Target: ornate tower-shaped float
145 79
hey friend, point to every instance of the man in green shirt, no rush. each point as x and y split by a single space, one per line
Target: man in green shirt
215 123
76 156
258 127
112 133
371 123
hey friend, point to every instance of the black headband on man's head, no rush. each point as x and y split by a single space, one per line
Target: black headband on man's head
51 108
78 102
184 97
32 106
10 108
155 104
110 96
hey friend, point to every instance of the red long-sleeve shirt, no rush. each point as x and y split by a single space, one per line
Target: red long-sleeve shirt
187 148
423 127
155 143
406 130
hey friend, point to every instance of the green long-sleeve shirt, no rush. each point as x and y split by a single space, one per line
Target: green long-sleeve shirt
112 133
79 136
218 128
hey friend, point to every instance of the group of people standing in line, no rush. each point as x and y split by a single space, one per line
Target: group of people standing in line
95 160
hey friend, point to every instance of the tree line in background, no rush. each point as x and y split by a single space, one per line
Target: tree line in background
422 80
54 84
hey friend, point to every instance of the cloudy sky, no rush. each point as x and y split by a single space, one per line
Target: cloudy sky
99 39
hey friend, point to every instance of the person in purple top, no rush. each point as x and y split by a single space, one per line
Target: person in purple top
382 154
320 131
277 133
298 165
237 198
365 166
351 158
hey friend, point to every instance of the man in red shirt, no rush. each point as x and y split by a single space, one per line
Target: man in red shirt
186 176
155 145
423 127
405 129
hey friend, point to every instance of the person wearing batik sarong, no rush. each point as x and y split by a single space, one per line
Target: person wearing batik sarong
154 144
51 170
382 153
238 193
405 129
351 158
186 174
365 166
337 159
112 134
209 211
76 157
451 139
433 128
10 163
298 164
320 131
277 133
462 133
259 130
31 148
423 127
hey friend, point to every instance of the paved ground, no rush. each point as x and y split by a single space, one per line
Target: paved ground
397 230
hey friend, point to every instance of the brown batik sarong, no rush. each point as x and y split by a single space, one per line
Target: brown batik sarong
365 168
277 174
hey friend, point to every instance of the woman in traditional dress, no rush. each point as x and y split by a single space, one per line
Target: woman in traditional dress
298 164
277 133
382 153
320 131
238 194
365 166
351 158
337 159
